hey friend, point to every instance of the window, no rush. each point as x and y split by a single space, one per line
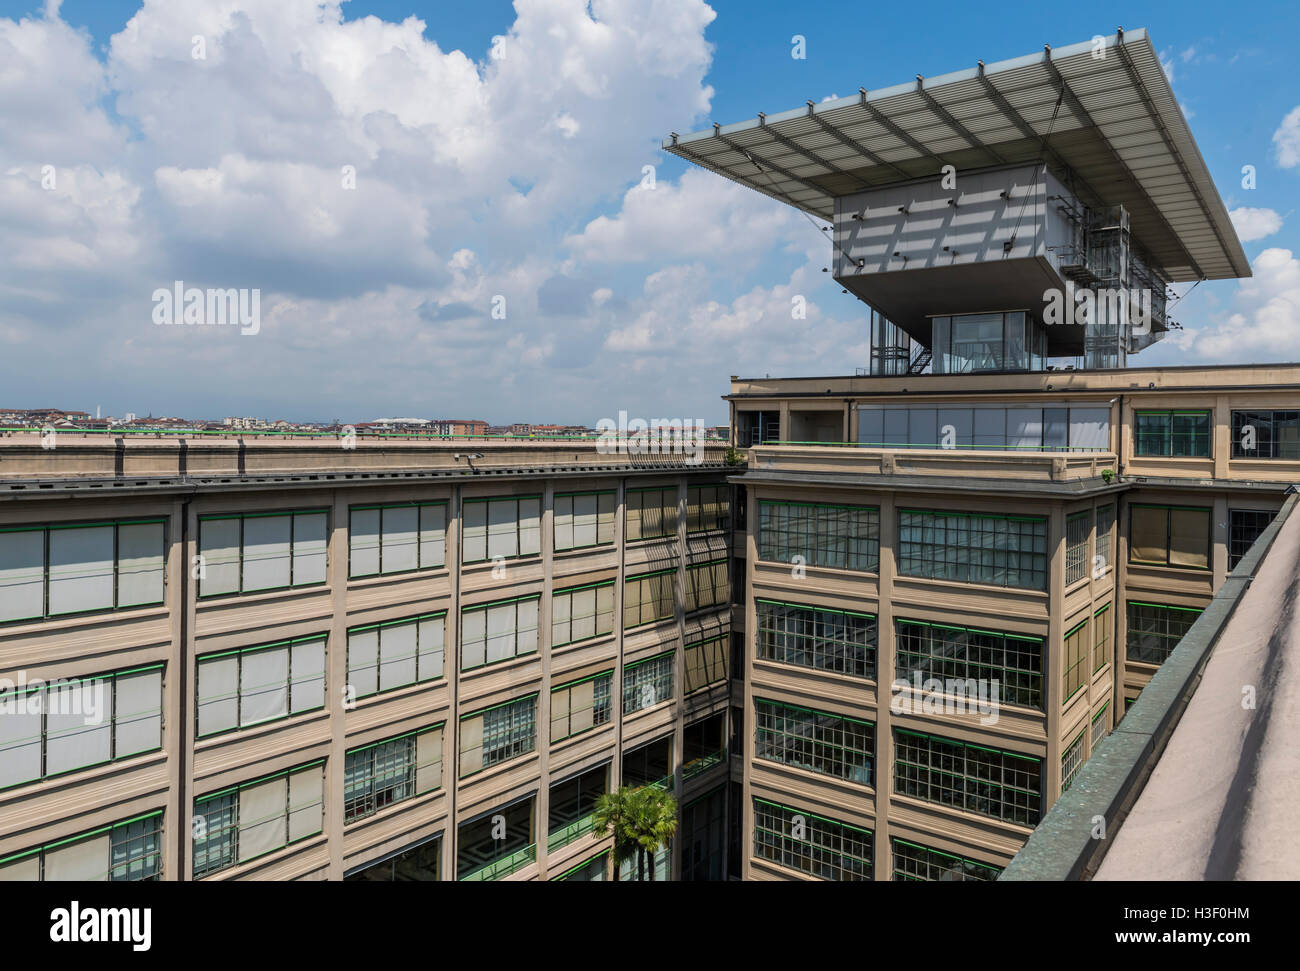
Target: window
915 862
704 836
1154 630
1071 762
1099 725
1002 551
810 843
581 613
1077 528
944 652
73 568
240 688
1105 525
707 507
991 782
422 863
396 653
817 637
650 764
648 598
397 538
993 427
1245 526
130 850
840 537
584 519
261 551
651 513
573 805
580 705
497 843
498 631
1169 535
506 527
1173 433
1101 638
706 585
497 734
647 683
815 740
69 724
706 663
1266 435
1074 660
258 817
388 772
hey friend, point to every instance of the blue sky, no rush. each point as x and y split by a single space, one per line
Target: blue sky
479 178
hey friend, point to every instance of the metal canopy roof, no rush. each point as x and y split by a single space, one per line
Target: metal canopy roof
1107 123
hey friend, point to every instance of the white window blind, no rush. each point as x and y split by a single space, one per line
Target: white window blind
401 526
218 694
75 738
138 703
219 547
267 552
433 535
309 548
81 569
20 740
307 662
262 824
84 860
22 574
139 564
363 542
306 802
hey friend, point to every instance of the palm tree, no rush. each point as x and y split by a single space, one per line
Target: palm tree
655 823
642 821
614 813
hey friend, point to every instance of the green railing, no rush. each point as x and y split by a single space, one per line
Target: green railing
569 833
705 762
666 783
503 867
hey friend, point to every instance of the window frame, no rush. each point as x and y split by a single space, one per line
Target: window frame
239 653
419 537
1169 511
293 514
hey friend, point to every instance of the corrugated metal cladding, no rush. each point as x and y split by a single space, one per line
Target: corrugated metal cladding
1115 132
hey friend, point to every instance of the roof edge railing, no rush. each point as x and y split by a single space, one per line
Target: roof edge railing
1073 838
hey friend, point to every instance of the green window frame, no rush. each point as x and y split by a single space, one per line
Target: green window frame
1074 659
1099 726
47 723
912 861
985 548
505 732
819 741
824 535
648 598
247 679
571 808
405 652
961 775
707 585
306 557
32 579
822 638
582 613
1155 630
651 513
1172 433
648 682
499 631
399 547
224 829
508 527
705 662
829 849
947 651
707 507
1101 638
583 520
134 852
391 771
581 706
1072 760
